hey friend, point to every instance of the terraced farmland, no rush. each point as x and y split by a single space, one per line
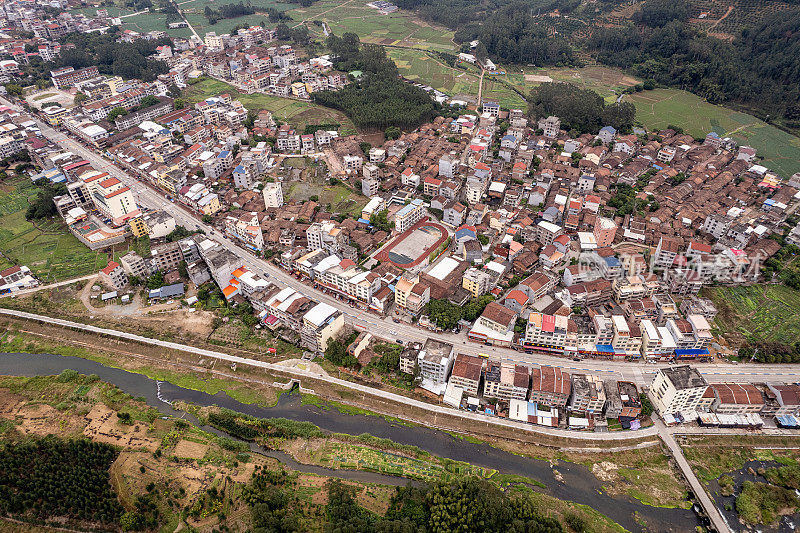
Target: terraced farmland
661 107
47 248
757 313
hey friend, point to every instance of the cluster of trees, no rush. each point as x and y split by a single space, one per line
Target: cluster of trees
509 30
42 206
771 352
468 504
446 315
246 427
757 71
582 110
129 60
51 477
273 502
514 35
380 221
298 34
783 264
379 98
336 352
228 11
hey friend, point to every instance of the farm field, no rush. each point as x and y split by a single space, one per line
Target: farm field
497 89
298 113
400 28
661 107
418 65
757 312
146 22
47 248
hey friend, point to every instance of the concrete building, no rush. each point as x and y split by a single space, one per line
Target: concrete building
477 281
114 275
550 386
135 265
466 373
604 231
588 394
506 381
678 388
322 323
735 398
273 195
435 361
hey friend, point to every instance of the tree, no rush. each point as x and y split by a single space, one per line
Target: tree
148 100
42 205
336 353
13 89
116 113
380 221
580 109
443 313
647 406
392 132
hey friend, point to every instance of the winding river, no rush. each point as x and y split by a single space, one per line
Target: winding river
576 482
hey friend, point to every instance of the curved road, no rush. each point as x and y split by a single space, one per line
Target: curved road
637 372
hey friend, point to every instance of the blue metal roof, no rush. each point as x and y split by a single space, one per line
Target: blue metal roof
692 351
604 348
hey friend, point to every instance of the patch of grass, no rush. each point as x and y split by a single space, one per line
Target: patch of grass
400 28
240 392
298 113
761 503
43 96
661 107
419 65
504 480
46 247
757 312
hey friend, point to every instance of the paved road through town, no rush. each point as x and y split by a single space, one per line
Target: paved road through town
637 372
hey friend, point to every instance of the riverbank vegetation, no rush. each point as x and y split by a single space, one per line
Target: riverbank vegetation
166 474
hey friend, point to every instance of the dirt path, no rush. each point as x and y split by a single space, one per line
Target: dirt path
480 86
723 17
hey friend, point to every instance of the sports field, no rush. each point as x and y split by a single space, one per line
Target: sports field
296 112
661 107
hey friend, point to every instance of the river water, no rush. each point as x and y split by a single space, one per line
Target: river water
577 483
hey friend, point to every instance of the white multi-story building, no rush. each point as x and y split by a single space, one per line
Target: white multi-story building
677 389
273 195
409 215
322 323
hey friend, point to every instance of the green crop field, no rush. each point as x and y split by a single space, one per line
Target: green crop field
146 22
418 65
400 28
47 248
497 89
296 112
757 313
661 107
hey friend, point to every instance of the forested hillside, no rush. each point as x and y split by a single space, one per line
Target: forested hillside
756 68
757 71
